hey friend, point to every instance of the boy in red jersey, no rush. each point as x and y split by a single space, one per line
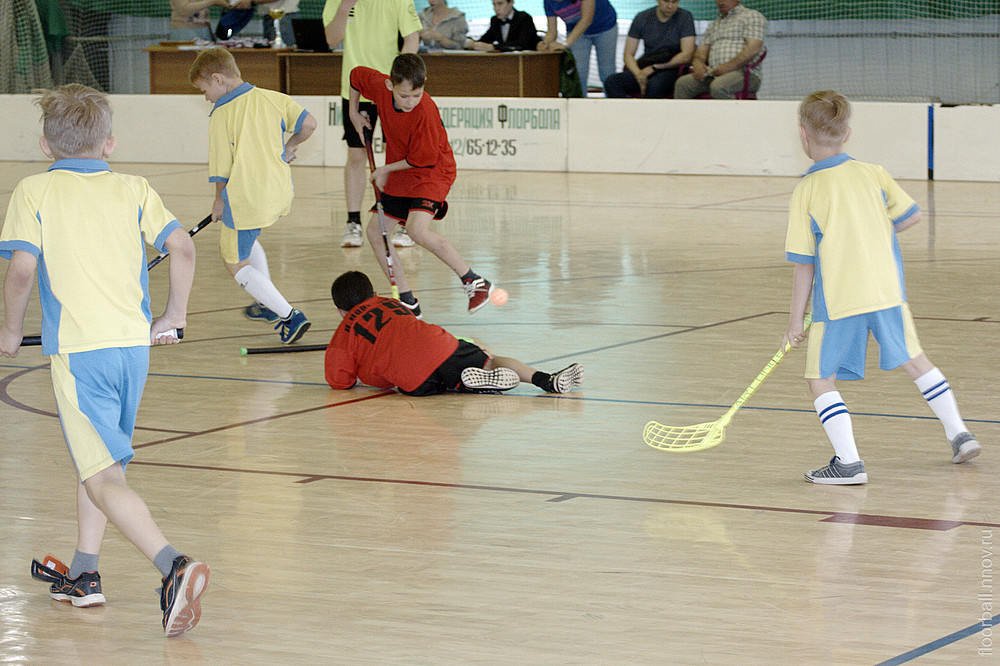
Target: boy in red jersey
419 168
381 343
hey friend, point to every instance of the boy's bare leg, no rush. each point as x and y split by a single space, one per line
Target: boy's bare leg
918 366
374 232
90 523
125 510
355 177
524 371
418 224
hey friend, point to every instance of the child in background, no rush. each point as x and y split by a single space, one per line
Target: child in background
248 162
77 224
418 172
843 220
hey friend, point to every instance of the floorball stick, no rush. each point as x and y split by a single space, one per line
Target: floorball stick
36 340
706 435
284 349
381 221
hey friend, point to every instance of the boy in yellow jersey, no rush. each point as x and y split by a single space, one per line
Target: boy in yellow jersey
83 227
842 226
248 162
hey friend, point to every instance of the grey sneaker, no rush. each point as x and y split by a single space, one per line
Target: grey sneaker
352 235
402 239
965 447
497 379
839 474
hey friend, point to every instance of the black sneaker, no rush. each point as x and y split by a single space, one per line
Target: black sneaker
414 308
567 379
181 593
83 591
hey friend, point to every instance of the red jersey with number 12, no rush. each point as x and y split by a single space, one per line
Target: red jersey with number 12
417 136
381 343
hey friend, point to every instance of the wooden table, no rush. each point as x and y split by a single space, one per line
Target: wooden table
169 65
449 73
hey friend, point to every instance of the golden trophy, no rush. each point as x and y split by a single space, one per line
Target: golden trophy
276 15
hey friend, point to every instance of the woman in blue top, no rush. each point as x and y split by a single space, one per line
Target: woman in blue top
589 23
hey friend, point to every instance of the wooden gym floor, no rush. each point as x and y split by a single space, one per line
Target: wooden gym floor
368 527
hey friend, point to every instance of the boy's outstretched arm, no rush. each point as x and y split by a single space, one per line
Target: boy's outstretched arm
802 280
16 293
907 222
182 259
294 141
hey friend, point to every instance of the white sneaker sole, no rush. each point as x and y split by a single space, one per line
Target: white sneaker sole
497 379
568 378
187 605
856 480
967 451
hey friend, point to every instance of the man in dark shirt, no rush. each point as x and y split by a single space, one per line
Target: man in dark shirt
510 30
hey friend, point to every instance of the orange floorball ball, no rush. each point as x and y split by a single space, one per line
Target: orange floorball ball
498 297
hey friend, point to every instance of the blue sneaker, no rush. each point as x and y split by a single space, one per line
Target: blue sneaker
292 327
258 311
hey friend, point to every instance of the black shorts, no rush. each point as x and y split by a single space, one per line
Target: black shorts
351 134
398 208
448 376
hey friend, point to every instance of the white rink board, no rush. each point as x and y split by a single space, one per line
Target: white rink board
966 143
500 134
722 137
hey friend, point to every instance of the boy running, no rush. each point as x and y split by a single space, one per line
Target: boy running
83 227
418 172
248 162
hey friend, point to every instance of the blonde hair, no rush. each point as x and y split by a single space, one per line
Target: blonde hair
825 115
215 60
76 120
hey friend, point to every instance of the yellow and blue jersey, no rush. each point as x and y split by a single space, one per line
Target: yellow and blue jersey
246 150
841 220
87 226
371 33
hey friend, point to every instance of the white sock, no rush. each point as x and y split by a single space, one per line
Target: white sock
938 394
261 288
836 421
258 259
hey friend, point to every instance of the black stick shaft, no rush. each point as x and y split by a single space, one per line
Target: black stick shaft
287 349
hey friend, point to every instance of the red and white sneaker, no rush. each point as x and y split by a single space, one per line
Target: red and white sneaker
479 291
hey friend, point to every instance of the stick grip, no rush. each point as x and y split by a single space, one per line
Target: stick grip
289 349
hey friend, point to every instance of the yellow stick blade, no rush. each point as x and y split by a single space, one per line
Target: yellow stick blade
681 439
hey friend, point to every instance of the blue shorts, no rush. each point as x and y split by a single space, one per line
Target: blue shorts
840 347
98 393
236 243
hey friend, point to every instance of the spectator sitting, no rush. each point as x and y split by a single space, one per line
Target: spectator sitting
189 18
443 27
510 30
667 35
730 44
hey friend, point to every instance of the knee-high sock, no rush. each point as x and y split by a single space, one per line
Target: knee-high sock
261 288
938 394
836 421
258 259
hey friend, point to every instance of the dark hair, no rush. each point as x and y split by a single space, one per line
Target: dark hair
350 289
408 67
